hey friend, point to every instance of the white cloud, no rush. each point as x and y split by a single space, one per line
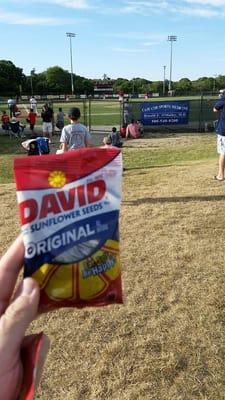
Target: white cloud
73 4
213 3
200 12
23 19
77 4
212 8
144 7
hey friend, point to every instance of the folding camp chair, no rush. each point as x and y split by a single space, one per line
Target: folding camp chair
15 129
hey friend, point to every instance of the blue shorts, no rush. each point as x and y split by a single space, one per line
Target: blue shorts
221 144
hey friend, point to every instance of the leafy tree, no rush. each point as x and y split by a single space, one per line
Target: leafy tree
135 85
83 85
88 86
40 83
141 85
122 84
157 87
58 80
220 82
203 84
183 86
30 82
11 77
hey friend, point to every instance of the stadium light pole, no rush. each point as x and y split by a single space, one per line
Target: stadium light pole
171 39
31 80
70 35
133 86
214 82
164 80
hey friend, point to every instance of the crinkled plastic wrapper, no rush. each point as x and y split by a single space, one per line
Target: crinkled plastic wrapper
69 210
33 354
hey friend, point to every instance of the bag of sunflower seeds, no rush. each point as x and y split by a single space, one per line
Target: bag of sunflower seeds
69 209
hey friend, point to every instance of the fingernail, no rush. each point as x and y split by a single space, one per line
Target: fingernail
28 287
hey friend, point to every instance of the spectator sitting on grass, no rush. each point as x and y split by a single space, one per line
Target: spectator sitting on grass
140 127
16 111
5 121
132 130
123 131
115 138
16 127
107 142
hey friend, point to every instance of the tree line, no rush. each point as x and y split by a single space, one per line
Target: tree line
56 80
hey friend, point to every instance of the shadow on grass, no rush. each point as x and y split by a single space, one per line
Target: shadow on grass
176 164
127 146
186 199
149 167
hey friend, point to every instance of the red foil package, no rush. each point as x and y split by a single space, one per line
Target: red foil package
33 356
69 209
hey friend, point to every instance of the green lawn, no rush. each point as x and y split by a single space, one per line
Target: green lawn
9 148
134 158
150 158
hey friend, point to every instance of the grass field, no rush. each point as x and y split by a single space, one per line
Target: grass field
102 112
148 155
167 341
108 112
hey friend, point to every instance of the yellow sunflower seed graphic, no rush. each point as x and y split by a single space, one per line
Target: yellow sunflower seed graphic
57 179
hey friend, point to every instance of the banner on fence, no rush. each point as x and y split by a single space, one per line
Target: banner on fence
165 112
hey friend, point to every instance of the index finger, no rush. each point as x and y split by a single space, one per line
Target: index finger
10 265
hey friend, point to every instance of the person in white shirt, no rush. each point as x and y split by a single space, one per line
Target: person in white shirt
75 135
33 104
11 104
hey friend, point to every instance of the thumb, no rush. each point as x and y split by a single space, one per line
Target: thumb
17 317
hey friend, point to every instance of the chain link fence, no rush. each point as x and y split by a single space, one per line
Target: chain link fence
201 116
103 114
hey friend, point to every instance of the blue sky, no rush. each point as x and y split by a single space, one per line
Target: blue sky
120 38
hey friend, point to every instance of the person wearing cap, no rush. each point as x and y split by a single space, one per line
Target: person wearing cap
75 135
219 107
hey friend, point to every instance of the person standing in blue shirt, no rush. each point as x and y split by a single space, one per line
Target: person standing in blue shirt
219 107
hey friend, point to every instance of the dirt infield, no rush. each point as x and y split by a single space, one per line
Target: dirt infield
167 341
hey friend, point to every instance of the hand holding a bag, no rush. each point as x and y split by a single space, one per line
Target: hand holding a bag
15 318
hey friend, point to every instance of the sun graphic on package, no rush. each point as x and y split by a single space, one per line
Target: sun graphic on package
57 179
